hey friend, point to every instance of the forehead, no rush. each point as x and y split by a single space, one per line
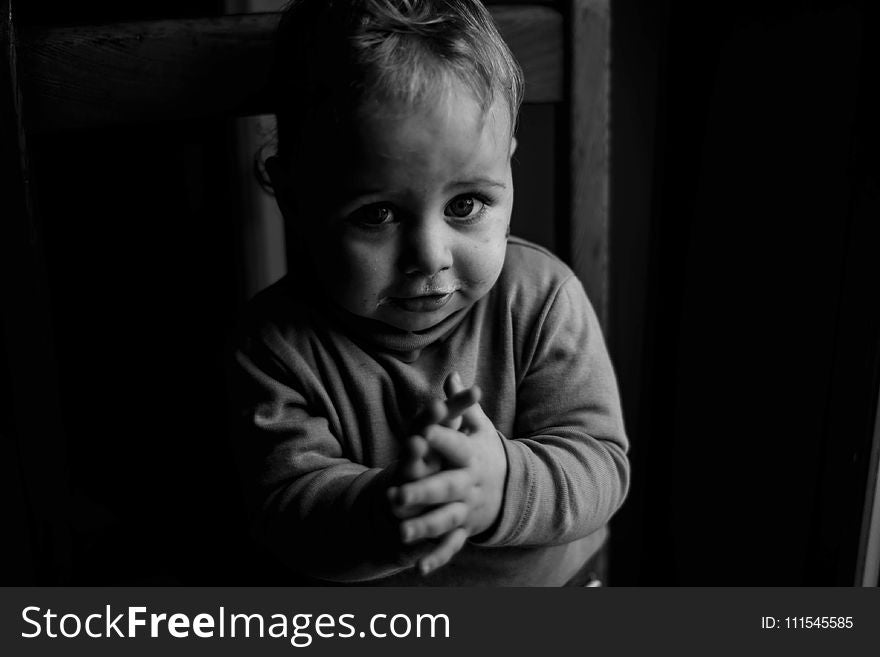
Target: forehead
450 131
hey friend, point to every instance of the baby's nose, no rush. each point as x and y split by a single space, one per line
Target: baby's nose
426 249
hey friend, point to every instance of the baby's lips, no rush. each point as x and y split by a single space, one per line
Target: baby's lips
422 304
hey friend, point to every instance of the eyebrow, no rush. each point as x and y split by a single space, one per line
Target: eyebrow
362 191
477 181
354 194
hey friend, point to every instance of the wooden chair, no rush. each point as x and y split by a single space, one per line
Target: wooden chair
58 80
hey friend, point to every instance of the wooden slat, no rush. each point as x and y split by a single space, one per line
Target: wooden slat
869 545
83 77
588 114
535 35
92 76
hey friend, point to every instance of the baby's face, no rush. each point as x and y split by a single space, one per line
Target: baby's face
416 225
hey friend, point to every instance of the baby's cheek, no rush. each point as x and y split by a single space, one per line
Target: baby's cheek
484 265
367 271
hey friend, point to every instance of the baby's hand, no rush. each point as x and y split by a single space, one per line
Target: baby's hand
417 459
465 497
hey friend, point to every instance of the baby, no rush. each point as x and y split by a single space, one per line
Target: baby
423 399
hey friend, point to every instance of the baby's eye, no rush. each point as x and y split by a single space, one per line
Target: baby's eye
463 206
373 215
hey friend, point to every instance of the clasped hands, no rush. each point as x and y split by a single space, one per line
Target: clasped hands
449 482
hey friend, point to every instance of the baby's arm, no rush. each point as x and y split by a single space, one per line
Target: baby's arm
326 516
566 468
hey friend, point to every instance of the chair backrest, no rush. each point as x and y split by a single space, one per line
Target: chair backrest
94 76
61 79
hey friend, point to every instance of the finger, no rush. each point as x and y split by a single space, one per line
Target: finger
401 512
408 471
414 464
432 413
458 403
452 446
415 448
446 486
405 511
448 548
410 555
453 384
472 416
434 523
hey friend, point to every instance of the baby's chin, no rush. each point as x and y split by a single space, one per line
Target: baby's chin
417 319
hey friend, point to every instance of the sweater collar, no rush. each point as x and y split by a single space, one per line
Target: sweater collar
404 345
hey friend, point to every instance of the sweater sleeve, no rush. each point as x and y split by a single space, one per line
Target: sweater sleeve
567 466
309 502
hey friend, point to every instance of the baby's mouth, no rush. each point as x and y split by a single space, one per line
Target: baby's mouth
422 303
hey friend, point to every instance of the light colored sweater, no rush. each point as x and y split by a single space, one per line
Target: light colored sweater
324 398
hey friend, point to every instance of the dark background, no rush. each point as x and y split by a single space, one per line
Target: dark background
745 324
746 219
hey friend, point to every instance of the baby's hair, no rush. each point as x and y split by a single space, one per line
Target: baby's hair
334 58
